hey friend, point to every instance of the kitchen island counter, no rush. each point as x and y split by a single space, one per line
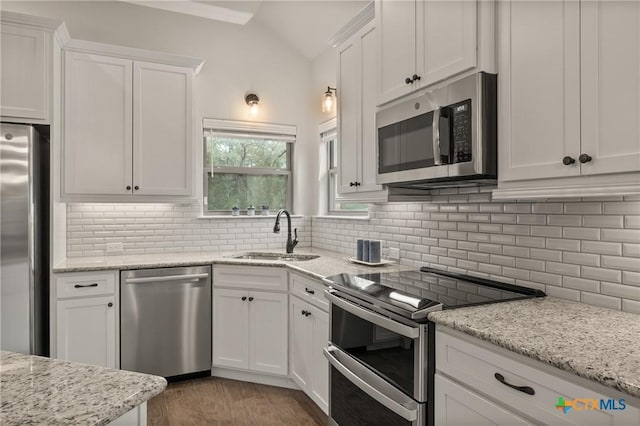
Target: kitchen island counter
38 390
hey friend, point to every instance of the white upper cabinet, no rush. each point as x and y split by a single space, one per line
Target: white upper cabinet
129 125
569 101
98 131
26 69
162 111
611 86
425 42
447 39
357 78
539 88
396 23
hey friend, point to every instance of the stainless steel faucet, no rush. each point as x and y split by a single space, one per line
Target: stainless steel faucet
291 243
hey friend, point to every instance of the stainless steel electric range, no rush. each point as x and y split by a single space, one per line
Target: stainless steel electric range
381 345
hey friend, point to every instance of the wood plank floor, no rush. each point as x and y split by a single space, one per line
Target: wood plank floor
216 401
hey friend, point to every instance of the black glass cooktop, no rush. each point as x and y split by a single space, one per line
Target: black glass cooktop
415 293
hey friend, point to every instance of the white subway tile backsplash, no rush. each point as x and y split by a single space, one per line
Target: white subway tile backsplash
601 300
549 245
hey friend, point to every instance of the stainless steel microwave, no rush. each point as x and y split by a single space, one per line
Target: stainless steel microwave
444 137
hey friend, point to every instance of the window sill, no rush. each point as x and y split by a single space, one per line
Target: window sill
244 216
341 216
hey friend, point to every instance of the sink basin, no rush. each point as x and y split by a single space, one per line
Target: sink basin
287 257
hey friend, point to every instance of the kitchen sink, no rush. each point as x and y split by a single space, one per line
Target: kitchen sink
287 257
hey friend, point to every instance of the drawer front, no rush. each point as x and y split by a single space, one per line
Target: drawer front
485 371
309 290
250 277
83 284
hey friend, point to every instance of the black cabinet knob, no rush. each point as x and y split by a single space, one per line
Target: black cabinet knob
408 80
136 187
584 158
128 187
352 184
357 183
244 298
110 304
568 160
250 299
303 312
415 77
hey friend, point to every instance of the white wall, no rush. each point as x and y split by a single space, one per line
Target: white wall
238 59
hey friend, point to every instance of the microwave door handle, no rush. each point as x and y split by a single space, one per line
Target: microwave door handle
437 158
369 383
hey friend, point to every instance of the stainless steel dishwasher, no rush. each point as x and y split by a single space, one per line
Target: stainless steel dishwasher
165 320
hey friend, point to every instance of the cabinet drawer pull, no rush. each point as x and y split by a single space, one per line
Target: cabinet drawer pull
250 298
309 291
85 285
525 389
110 304
408 80
244 298
567 161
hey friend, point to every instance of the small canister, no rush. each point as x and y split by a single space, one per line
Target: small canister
359 249
365 251
374 251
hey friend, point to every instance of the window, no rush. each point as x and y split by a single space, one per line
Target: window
244 169
330 139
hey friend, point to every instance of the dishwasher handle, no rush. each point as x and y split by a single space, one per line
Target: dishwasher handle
165 278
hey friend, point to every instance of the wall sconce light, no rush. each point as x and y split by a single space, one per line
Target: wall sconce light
327 99
253 101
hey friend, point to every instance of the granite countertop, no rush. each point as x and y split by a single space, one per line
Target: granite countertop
37 390
329 263
599 344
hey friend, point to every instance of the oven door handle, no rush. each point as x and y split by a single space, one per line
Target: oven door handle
382 321
372 384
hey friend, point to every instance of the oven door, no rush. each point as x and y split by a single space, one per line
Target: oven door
358 396
394 350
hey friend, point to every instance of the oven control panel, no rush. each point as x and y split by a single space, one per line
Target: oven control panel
460 117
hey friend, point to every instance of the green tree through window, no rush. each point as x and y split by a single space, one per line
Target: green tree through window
244 170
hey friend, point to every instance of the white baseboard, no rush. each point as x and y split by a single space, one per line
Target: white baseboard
253 377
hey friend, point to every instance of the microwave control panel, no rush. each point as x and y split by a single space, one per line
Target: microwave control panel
460 116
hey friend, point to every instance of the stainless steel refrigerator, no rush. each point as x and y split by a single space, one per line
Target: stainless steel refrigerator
24 238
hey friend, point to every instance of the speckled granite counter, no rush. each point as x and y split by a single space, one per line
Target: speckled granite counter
37 390
596 343
329 263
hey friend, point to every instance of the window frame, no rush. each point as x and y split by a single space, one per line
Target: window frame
329 133
276 132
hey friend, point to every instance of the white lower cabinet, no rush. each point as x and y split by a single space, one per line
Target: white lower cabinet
85 319
309 336
135 417
478 383
250 330
457 405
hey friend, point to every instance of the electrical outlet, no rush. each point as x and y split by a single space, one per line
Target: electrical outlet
394 253
114 248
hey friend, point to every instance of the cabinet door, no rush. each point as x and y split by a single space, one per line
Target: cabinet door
447 39
610 86
86 331
97 144
348 94
25 72
268 344
396 26
368 160
230 328
301 344
539 89
163 125
457 405
320 366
